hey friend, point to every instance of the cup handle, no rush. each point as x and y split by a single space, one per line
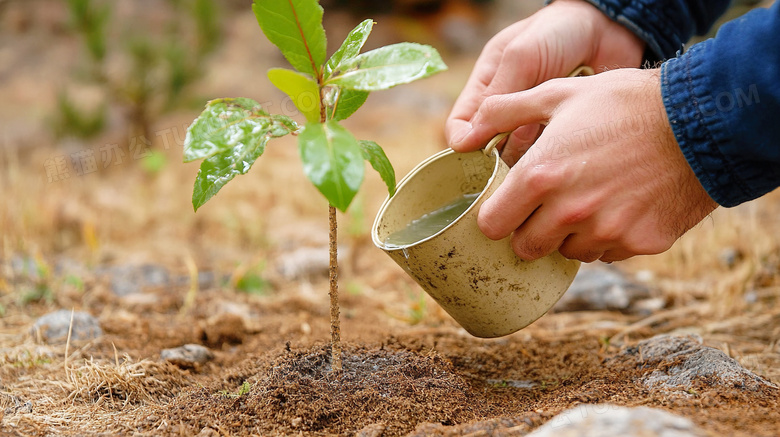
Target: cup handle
494 142
582 70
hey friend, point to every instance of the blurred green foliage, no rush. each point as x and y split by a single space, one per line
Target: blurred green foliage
72 120
252 281
158 63
155 162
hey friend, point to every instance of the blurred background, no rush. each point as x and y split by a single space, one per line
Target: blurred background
95 100
96 97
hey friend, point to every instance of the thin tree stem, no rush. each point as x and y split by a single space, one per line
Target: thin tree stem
335 325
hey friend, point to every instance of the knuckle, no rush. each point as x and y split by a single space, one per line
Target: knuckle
580 249
515 49
649 244
575 215
606 233
585 256
493 102
542 179
528 248
489 222
489 228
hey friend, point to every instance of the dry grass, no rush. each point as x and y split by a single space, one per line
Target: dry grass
123 382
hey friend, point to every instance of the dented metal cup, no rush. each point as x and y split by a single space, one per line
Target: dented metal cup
481 283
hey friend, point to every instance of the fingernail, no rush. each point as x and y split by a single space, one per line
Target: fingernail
460 134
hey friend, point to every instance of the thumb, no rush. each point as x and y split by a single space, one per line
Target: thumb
506 112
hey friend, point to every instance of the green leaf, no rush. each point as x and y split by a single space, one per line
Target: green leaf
230 135
332 160
351 46
295 27
374 154
348 102
302 89
228 122
387 67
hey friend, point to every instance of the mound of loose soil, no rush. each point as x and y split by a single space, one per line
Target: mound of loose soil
384 387
443 385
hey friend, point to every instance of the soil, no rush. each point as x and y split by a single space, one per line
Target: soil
431 378
409 369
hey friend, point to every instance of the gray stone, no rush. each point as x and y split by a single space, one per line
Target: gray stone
729 257
129 279
607 420
597 288
24 268
189 355
680 361
68 266
206 280
53 327
306 262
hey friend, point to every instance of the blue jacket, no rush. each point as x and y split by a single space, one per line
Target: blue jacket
722 96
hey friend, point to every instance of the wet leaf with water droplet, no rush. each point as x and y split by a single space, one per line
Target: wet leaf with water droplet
387 67
229 135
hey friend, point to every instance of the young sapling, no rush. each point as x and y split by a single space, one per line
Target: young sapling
232 133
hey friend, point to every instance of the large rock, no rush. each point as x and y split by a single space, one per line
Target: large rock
607 420
682 361
599 288
53 327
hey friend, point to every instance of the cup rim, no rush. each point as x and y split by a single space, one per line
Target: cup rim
389 200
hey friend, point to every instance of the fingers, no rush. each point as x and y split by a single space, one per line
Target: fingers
519 69
580 247
616 255
535 238
479 80
519 142
507 112
516 199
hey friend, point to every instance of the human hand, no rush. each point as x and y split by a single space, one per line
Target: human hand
551 43
605 180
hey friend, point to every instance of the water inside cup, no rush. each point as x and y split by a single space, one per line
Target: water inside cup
429 223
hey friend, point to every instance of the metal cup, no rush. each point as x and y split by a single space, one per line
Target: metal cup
481 283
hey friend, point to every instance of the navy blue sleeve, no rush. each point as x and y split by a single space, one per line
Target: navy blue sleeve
722 98
664 25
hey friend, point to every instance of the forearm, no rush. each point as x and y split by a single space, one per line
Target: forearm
723 102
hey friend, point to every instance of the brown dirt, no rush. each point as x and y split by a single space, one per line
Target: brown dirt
408 368
425 379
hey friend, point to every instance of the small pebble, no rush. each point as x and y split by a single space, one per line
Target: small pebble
130 279
187 356
53 327
729 257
